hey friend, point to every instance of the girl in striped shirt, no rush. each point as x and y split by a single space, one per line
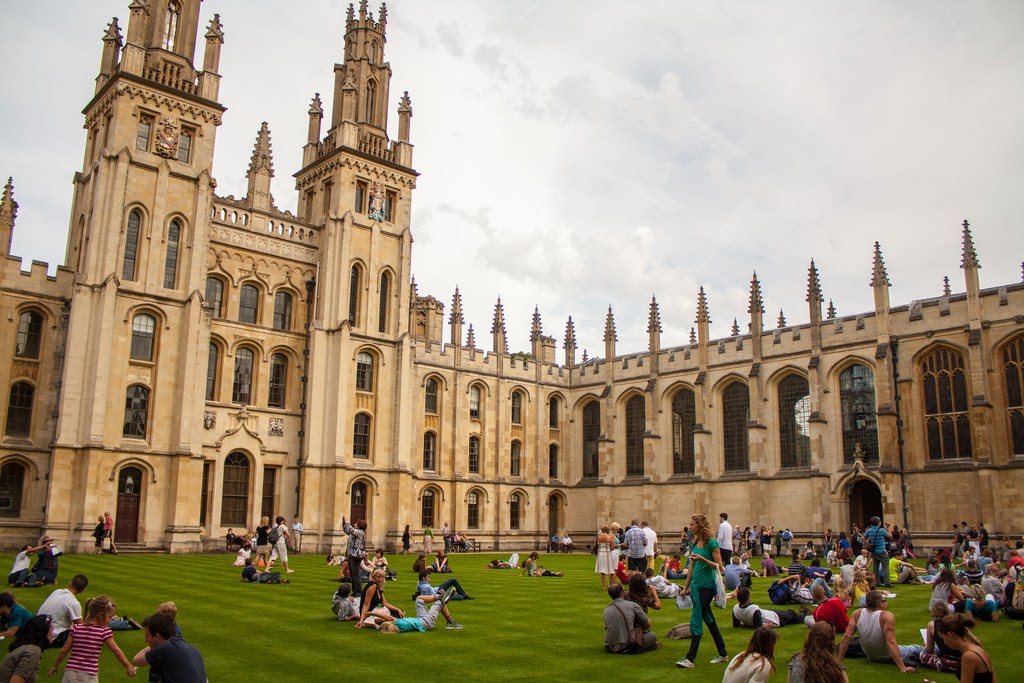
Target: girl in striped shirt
86 641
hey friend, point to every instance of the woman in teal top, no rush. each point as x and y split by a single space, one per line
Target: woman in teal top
706 558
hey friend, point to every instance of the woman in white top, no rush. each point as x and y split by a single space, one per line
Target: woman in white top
605 565
757 662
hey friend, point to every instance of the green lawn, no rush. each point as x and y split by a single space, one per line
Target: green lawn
518 628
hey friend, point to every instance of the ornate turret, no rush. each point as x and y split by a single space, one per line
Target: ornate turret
364 67
609 336
831 312
735 327
693 335
703 321
536 337
261 170
209 80
946 289
654 326
755 307
404 117
782 319
970 256
969 263
112 44
455 320
500 345
880 283
8 214
814 307
570 344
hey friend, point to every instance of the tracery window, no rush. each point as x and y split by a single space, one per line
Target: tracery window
212 365
427 509
684 421
248 304
30 334
215 295
19 409
514 512
12 487
171 259
171 25
131 246
278 381
945 405
591 433
385 297
241 386
234 501
735 437
860 423
636 424
515 460
430 397
517 408
474 403
794 426
361 436
430 451
282 311
473 510
553 461
143 334
136 411
353 294
474 455
1013 372
364 371
553 413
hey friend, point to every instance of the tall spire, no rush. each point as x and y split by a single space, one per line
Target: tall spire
756 305
535 328
471 337
703 315
654 317
609 327
970 256
831 312
879 278
262 156
654 333
946 290
8 214
456 314
570 343
693 335
498 327
782 319
735 327
813 285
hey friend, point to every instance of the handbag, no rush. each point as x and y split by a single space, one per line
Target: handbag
106 543
636 634
720 598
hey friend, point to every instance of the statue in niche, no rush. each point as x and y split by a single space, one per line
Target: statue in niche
376 202
166 144
209 420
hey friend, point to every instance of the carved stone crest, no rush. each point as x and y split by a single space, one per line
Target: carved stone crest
209 420
376 212
276 426
167 138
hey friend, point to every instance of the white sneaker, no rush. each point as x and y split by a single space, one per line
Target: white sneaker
684 664
720 660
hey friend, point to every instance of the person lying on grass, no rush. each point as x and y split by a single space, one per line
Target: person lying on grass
424 587
252 575
497 563
534 569
425 618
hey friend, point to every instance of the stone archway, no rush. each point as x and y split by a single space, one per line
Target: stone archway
865 502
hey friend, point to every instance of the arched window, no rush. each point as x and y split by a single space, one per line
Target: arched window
12 487
735 438
684 421
212 366
171 260
371 100
517 408
553 413
282 311
215 296
427 509
430 397
131 246
171 25
473 510
249 304
591 433
513 511
143 333
241 386
278 380
553 461
30 334
234 502
860 424
474 403
794 425
636 424
1013 372
19 409
474 455
361 436
136 411
364 371
430 451
516 457
371 52
945 405
353 294
385 298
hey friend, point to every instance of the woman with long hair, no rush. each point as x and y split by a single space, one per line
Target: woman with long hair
373 597
757 662
642 594
406 540
262 542
975 664
706 558
937 654
839 591
818 661
604 565
859 588
944 588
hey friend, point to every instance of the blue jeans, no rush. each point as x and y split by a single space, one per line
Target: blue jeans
882 568
824 584
669 574
18 576
459 593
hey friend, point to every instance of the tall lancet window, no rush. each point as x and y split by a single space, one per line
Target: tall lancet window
171 25
371 100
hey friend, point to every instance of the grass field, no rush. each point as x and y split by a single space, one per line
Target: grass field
517 628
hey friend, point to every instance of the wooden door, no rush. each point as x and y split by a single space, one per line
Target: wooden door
358 508
129 497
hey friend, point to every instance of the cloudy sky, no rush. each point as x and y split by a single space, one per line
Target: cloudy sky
576 155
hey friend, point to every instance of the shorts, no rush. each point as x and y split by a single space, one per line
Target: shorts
280 550
71 676
262 549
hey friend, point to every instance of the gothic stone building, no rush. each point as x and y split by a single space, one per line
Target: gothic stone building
200 361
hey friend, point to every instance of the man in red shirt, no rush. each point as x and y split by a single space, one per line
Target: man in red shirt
831 610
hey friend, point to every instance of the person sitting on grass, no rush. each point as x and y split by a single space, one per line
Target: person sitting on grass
877 636
420 563
620 618
663 587
801 592
747 614
440 563
642 594
981 606
344 605
87 639
817 661
425 618
828 609
373 597
671 567
839 591
937 654
975 664
901 571
22 664
167 655
768 566
795 567
735 575
757 662
534 569
252 575
12 613
424 587
243 555
745 563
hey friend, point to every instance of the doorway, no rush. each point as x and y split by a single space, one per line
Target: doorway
129 496
357 509
554 510
865 503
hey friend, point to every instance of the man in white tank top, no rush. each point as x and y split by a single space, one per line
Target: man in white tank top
876 629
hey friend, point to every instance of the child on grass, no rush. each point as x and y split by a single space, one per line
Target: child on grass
344 605
425 618
85 642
